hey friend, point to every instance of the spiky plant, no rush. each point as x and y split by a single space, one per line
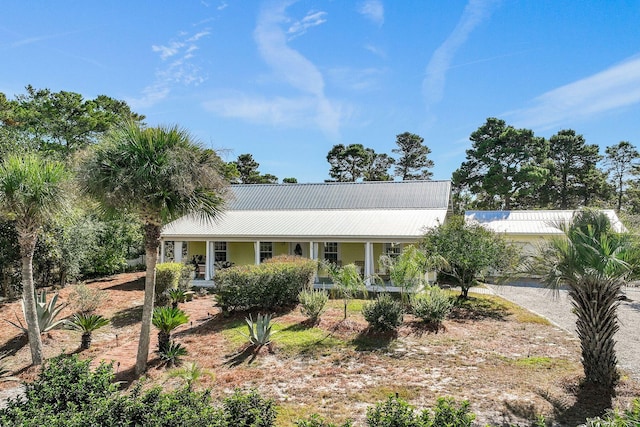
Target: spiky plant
166 319
46 313
172 353
260 330
87 323
177 295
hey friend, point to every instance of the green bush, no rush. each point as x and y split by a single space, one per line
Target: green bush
395 412
317 421
248 410
617 418
383 314
432 305
267 286
167 277
313 303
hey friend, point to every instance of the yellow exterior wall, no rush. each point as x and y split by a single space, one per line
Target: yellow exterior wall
195 248
240 253
351 252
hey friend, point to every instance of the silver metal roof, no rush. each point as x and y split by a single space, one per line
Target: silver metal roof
537 222
304 225
383 211
342 195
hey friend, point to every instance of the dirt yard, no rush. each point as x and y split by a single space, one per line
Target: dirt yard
510 364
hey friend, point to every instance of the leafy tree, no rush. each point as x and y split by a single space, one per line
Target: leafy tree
621 160
573 174
32 191
248 173
289 181
160 174
413 162
347 282
470 251
62 121
377 166
593 262
347 162
504 167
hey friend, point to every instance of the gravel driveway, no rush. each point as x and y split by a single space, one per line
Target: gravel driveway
558 310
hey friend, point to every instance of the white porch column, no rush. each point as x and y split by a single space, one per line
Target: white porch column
368 262
207 260
256 249
177 251
162 242
313 254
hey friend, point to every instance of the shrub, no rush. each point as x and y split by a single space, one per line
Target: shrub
85 299
383 314
617 418
317 421
432 305
394 412
248 410
268 286
313 303
167 277
166 319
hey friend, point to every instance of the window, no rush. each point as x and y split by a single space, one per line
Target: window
266 250
331 252
219 251
392 249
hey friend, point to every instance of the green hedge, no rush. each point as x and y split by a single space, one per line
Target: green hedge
171 275
267 286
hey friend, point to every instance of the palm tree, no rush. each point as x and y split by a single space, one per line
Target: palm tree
87 323
166 319
160 174
32 191
593 262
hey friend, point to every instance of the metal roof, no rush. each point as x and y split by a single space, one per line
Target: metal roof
341 195
536 222
300 225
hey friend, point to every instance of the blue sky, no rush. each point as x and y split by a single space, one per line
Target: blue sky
287 80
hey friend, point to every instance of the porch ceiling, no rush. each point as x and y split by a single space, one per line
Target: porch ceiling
320 225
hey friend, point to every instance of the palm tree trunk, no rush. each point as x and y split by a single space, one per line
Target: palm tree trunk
152 242
85 342
27 248
596 326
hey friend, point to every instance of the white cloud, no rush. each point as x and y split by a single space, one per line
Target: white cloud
614 88
360 80
179 71
475 12
294 69
312 19
373 10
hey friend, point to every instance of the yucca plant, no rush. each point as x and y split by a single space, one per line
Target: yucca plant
171 353
46 313
87 323
166 319
313 303
260 330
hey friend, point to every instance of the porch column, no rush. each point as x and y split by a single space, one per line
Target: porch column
162 242
368 264
207 260
313 254
256 250
177 251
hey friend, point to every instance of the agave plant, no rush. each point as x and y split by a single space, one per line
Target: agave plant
260 330
87 323
46 312
166 319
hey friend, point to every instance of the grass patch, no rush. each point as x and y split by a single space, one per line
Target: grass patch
292 338
541 362
380 393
